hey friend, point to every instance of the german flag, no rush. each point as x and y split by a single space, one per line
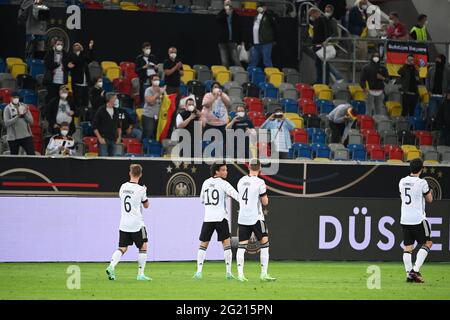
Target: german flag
168 107
398 51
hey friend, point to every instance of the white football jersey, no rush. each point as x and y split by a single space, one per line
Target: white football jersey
213 195
412 191
251 189
132 196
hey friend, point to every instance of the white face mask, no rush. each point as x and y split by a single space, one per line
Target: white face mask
156 83
260 9
116 103
364 6
64 132
391 22
190 108
63 95
376 59
240 114
328 14
59 47
100 84
227 8
216 90
15 100
173 56
147 52
311 18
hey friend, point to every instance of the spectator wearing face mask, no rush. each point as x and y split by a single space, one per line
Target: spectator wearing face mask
339 8
373 76
18 118
60 109
396 30
145 67
153 99
264 36
419 31
243 123
409 80
438 85
229 35
96 97
187 119
333 29
280 128
106 126
61 144
173 70
79 60
56 63
357 18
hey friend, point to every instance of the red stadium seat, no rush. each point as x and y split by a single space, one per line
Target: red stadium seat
128 69
132 145
309 108
305 90
122 85
36 115
5 95
424 138
393 152
299 136
253 104
375 152
91 144
365 122
373 138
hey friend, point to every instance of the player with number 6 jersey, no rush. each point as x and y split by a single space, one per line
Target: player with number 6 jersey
132 228
213 195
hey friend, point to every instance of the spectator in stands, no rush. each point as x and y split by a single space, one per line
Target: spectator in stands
214 114
17 118
321 32
79 71
61 144
106 126
280 128
396 30
373 76
419 31
443 118
338 118
409 80
153 99
34 14
264 36
333 29
339 8
96 97
56 69
173 70
242 122
127 125
145 67
186 119
60 109
229 34
357 18
438 85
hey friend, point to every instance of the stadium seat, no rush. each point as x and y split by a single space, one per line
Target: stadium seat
300 150
311 120
223 76
122 85
365 122
309 108
295 118
189 74
113 73
292 76
91 144
357 152
216 68
410 152
417 123
305 91
325 106
17 69
152 148
423 94
5 95
288 91
401 124
406 137
108 64
203 73
423 137
251 90
376 153
128 69
253 104
289 105
394 108
320 150
276 78
36 67
299 136
132 146
360 106
268 90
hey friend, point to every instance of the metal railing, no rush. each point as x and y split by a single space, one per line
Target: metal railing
381 43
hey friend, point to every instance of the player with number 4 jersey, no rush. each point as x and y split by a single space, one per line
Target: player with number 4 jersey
213 195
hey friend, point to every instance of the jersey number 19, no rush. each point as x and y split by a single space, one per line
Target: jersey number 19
214 196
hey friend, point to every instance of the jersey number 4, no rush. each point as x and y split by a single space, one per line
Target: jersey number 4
408 196
214 196
245 196
126 204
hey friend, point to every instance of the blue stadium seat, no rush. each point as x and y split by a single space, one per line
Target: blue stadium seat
28 97
107 85
132 114
208 85
324 106
357 152
319 138
360 106
232 114
184 92
36 67
289 105
152 148
417 123
320 150
418 110
86 129
268 90
300 150
257 76
2 66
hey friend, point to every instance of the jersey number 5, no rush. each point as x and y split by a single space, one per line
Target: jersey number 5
407 195
214 196
126 204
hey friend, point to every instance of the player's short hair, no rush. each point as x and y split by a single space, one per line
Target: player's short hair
416 165
136 170
216 167
255 165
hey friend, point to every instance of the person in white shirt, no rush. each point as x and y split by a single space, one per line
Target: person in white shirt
61 144
252 196
132 228
414 191
213 195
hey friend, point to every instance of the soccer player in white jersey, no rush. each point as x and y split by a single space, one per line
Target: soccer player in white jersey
252 196
414 191
132 229
214 192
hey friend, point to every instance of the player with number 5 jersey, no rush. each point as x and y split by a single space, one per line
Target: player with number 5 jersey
213 195
133 197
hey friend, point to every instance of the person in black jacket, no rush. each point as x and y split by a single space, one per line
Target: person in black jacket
96 97
56 68
80 60
357 18
373 76
145 67
106 125
409 80
60 109
443 118
229 35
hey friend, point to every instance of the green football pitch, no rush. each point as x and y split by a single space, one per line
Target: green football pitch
173 280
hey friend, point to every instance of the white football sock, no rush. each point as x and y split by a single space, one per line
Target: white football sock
115 258
201 258
264 258
407 260
228 257
240 259
142 260
421 256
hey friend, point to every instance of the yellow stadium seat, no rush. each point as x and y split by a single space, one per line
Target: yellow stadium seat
410 152
188 75
359 95
223 77
354 88
249 5
424 95
18 68
276 78
129 6
108 64
319 87
322 159
13 60
394 108
326 94
394 161
269 71
76 121
139 112
69 83
91 154
216 69
113 73
187 67
295 118
430 162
